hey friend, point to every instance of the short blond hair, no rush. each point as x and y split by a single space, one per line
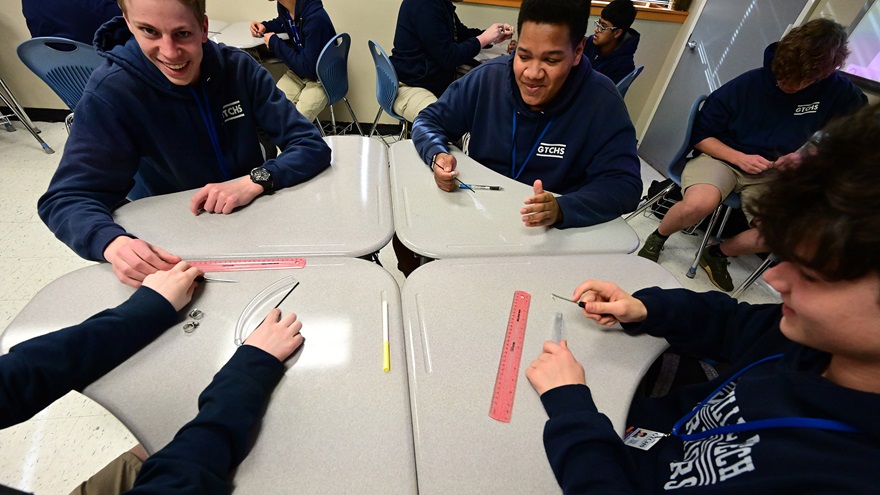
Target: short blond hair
196 6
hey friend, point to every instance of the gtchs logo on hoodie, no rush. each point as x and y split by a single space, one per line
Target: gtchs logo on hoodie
551 150
232 111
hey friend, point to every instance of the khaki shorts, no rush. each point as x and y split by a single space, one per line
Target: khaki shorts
116 477
726 178
308 96
411 101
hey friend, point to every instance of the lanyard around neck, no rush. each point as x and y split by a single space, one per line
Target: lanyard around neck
513 171
297 40
762 424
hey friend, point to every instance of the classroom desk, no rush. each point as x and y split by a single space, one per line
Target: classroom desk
336 423
237 34
455 319
344 211
462 224
496 50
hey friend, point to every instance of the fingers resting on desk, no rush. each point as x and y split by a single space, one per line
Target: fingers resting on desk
555 367
175 285
134 259
278 335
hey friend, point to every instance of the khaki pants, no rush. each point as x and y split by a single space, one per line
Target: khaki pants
308 96
116 477
411 100
707 170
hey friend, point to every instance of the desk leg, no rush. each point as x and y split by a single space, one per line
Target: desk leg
19 112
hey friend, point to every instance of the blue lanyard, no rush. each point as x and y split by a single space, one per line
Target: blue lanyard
296 38
790 422
212 131
513 172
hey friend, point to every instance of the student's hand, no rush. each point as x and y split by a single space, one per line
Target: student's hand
791 160
266 38
752 164
444 171
225 196
555 367
277 335
511 47
134 259
542 209
257 29
609 304
175 285
495 33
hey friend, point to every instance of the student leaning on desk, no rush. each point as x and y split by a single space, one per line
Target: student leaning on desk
168 111
797 411
543 117
206 450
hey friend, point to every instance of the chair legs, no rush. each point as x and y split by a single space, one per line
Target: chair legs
650 202
692 271
19 112
353 117
375 122
755 275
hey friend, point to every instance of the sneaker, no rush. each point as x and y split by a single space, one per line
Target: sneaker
653 246
716 267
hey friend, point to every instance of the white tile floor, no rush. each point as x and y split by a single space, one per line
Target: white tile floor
72 439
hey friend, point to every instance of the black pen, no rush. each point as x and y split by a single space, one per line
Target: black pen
481 187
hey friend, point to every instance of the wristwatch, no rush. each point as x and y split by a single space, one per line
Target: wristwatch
263 177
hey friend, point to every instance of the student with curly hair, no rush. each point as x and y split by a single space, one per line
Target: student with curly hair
796 412
750 128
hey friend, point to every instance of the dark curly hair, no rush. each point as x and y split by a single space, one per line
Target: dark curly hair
810 52
620 13
825 214
572 13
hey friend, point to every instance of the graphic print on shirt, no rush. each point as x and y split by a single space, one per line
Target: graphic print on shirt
232 111
551 150
806 108
717 458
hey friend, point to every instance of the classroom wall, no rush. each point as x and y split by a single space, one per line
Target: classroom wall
363 20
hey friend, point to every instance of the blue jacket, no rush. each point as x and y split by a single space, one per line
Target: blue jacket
618 62
313 29
135 126
752 115
76 20
582 145
205 451
587 456
429 43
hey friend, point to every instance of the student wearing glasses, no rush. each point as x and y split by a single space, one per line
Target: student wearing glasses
796 412
611 47
308 28
430 42
751 128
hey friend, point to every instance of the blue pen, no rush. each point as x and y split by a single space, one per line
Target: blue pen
480 187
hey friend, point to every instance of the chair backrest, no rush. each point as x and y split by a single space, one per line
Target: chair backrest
65 65
624 83
332 67
678 161
386 79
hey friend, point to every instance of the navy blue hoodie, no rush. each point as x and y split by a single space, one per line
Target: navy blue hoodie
588 153
617 63
429 43
205 451
752 115
76 20
133 121
313 30
587 456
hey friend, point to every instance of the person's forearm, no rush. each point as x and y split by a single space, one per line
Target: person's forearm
38 371
718 150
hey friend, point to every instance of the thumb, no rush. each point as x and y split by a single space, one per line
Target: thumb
564 344
538 187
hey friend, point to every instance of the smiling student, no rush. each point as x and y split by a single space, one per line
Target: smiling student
166 112
546 96
797 410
